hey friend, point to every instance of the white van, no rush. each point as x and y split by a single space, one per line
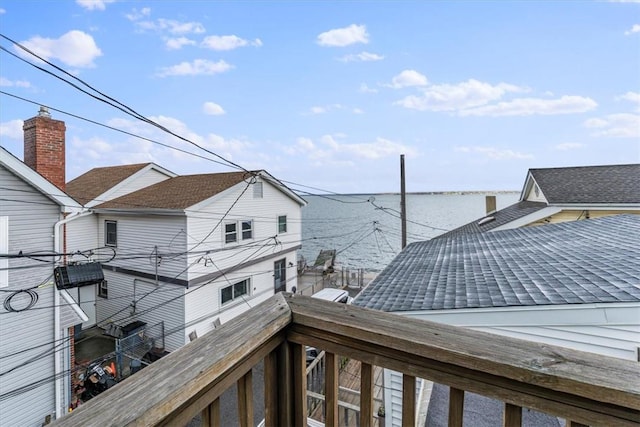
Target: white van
333 294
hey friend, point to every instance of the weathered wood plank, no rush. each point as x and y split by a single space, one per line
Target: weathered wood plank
271 389
175 383
456 407
245 400
512 416
299 384
575 424
211 415
458 357
331 389
408 401
285 385
366 395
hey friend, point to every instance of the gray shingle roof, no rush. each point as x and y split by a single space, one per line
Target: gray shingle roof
503 216
91 184
590 184
589 261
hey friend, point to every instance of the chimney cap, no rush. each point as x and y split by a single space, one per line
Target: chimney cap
44 112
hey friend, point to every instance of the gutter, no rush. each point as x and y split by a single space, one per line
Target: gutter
58 372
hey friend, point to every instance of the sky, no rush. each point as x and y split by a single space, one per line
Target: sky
326 95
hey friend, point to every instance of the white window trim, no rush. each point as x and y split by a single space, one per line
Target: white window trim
225 233
235 299
250 221
110 221
238 231
100 288
4 249
286 227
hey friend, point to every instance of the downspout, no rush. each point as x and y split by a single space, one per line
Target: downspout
56 314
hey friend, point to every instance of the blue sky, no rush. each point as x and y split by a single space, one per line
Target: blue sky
328 94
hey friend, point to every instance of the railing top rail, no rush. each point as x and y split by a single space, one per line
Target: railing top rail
175 382
589 375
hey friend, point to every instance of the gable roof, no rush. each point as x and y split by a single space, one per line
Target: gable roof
609 184
588 261
20 169
95 182
182 192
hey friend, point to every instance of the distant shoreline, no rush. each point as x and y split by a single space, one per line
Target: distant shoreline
423 193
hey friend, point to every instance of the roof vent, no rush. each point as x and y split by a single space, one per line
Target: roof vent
44 112
486 220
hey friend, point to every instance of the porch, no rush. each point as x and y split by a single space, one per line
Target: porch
583 388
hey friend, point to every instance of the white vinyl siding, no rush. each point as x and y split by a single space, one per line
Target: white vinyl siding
4 248
82 235
154 304
138 237
30 329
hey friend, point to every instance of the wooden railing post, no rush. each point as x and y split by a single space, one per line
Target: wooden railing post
271 384
456 407
366 394
408 400
331 389
211 415
512 415
299 365
245 400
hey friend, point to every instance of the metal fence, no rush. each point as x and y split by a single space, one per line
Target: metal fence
139 348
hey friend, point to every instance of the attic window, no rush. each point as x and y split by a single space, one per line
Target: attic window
486 220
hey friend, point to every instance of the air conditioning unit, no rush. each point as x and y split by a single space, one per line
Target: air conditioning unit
78 275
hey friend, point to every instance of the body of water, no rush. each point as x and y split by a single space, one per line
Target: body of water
366 231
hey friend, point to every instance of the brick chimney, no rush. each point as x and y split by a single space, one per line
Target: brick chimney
44 147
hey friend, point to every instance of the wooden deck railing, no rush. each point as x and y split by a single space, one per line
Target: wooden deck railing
585 388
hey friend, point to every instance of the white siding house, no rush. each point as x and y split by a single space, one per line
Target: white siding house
35 317
194 251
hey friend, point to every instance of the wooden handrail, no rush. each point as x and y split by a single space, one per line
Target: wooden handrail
582 387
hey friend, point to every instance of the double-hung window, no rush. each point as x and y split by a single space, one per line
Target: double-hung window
111 233
282 224
230 232
235 231
235 291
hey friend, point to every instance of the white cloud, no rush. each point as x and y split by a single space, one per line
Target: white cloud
94 148
568 146
172 26
362 56
12 129
533 106
136 14
195 68
2 11
340 37
408 78
212 109
447 97
229 42
366 89
75 48
495 153
633 97
178 43
14 83
322 109
357 111
94 4
634 29
615 126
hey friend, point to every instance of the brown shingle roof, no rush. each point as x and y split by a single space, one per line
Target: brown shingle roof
90 185
179 192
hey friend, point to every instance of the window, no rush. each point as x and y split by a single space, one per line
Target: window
111 233
247 230
234 291
102 289
257 190
282 224
230 232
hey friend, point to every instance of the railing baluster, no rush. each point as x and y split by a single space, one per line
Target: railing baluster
245 400
271 390
512 415
211 415
299 384
366 394
456 407
331 389
408 400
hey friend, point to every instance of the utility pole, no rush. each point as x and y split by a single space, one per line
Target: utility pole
403 203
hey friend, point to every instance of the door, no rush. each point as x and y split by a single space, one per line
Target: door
280 275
